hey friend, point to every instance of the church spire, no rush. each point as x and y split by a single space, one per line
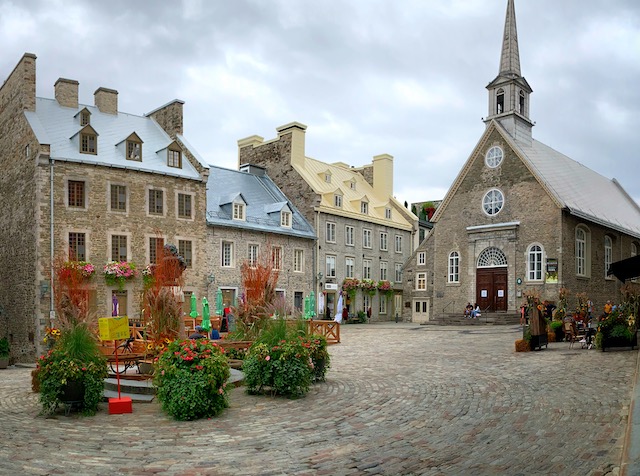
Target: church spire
509 93
510 59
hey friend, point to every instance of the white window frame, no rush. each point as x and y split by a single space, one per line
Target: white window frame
384 271
226 254
285 219
298 260
337 201
398 273
253 253
535 258
453 267
422 258
366 238
330 232
364 208
349 267
276 257
330 268
366 268
383 304
582 251
349 235
384 241
421 281
398 243
238 211
608 255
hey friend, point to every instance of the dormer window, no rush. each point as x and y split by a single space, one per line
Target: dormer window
88 142
238 211
327 178
352 185
134 150
500 101
285 219
387 213
337 201
364 208
174 158
85 117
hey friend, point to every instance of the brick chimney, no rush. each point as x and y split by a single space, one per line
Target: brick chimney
66 92
169 117
297 131
106 100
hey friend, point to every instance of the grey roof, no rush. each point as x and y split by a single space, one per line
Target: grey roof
262 197
577 188
57 126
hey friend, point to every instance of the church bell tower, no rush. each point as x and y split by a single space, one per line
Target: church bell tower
509 92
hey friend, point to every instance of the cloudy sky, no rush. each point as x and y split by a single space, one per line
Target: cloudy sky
404 77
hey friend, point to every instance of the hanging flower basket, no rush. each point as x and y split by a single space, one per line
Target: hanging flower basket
369 286
118 273
350 286
385 287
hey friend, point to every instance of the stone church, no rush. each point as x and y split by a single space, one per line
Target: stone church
520 216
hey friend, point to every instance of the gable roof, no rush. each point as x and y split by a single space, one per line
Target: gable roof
262 197
54 125
574 187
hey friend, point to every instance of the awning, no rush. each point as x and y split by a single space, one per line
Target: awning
625 269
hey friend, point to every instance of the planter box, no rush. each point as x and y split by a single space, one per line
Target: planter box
538 341
609 342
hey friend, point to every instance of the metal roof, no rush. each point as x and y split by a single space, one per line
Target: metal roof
262 198
58 126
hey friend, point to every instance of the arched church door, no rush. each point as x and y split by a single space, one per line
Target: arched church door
491 280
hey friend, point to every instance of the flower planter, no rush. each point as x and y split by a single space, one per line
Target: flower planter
4 362
609 342
72 392
146 367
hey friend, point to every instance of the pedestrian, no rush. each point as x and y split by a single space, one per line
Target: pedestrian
549 307
523 314
369 314
607 308
200 333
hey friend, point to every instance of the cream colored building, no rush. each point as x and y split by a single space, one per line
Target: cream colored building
363 231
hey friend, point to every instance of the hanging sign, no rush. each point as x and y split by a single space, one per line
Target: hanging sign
113 328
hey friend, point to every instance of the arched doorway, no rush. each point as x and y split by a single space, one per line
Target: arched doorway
491 280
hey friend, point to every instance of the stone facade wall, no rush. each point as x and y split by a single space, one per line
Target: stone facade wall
100 223
169 117
289 280
409 284
18 253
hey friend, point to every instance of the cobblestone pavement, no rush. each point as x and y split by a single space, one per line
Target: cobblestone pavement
400 399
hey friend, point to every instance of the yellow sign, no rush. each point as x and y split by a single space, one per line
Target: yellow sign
114 328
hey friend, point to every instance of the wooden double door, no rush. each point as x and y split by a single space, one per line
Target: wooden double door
491 288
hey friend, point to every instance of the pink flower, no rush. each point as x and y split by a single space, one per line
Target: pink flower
220 390
267 358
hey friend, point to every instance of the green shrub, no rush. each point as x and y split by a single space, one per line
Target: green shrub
4 347
320 358
191 379
75 357
281 369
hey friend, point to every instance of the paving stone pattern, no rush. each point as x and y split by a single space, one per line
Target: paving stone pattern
400 399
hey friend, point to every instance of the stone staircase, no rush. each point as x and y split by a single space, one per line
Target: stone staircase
486 319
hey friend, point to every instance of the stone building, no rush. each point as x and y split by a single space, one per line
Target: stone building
520 216
250 219
363 231
89 183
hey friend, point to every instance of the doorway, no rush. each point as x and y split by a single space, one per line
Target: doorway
491 288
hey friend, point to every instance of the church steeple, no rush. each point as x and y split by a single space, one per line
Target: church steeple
509 92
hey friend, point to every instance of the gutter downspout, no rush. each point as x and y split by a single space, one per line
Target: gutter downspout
316 256
52 313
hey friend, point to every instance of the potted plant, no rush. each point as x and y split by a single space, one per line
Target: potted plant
4 353
320 358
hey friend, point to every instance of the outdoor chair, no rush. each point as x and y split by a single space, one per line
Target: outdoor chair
570 332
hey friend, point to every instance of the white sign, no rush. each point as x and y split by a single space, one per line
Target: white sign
483 293
500 292
331 286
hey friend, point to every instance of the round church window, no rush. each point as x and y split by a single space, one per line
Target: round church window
492 202
493 157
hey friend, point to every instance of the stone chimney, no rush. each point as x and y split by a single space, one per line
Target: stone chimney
106 100
169 117
66 92
297 131
383 174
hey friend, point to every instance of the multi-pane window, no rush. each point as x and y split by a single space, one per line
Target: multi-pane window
285 219
227 254
134 150
492 202
88 143
581 252
85 118
398 272
366 238
174 158
331 267
352 185
185 209
155 249
156 201
118 198
364 208
534 263
185 248
383 271
422 258
383 241
298 261
366 269
77 246
608 255
349 233
349 267
337 201
119 248
387 213
454 267
383 304
238 211
398 244
252 255
331 232
276 257
421 282
76 193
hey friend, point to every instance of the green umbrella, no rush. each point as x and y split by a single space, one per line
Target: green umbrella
219 302
206 323
194 304
312 305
